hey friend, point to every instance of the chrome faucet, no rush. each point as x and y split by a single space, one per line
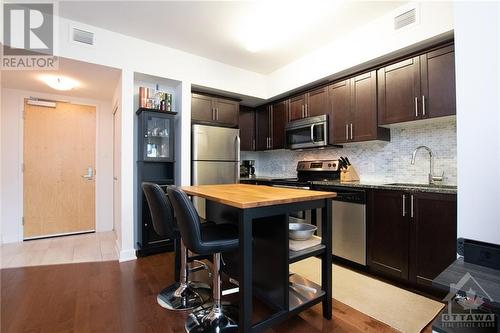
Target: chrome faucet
432 178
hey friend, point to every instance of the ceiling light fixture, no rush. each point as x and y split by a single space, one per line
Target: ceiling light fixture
59 82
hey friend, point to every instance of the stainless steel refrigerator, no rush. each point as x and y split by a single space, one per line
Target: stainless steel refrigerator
215 158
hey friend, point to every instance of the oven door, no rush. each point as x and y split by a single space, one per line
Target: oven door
307 133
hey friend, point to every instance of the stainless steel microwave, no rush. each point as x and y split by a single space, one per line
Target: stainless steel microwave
309 132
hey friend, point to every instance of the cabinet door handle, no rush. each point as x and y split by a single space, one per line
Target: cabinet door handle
347 132
404 205
216 113
213 114
423 105
307 111
303 113
416 107
253 144
351 133
411 205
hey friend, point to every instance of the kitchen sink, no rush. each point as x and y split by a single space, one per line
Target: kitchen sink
452 187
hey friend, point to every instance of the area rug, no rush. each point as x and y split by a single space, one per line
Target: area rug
396 307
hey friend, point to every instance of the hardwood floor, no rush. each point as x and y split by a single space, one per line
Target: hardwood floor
114 297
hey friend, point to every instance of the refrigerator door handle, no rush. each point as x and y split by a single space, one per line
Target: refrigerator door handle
237 168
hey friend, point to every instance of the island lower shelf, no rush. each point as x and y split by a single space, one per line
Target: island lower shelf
301 293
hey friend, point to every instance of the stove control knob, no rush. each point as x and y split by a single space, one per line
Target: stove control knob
334 165
329 165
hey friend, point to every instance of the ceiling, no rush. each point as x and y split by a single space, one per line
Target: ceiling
94 81
259 36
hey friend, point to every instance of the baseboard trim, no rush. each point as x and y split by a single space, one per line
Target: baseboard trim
126 255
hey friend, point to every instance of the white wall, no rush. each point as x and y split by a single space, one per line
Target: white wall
477 57
12 155
375 39
117 99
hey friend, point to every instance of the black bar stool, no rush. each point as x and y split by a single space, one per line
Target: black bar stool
214 240
183 295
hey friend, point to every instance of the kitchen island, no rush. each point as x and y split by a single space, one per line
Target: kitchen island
262 216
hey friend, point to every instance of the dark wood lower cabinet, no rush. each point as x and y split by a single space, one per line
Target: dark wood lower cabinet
388 234
433 236
412 235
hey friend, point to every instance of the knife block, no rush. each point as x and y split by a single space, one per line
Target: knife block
349 175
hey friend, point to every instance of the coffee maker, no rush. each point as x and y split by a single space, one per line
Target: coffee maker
247 168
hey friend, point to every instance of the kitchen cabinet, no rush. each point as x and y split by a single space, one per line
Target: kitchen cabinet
247 129
311 104
417 88
353 110
433 231
214 110
270 126
412 235
388 234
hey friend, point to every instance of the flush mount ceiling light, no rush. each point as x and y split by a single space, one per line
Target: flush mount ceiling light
59 82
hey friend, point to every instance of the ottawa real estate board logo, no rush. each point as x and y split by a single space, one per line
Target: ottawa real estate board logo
466 308
28 36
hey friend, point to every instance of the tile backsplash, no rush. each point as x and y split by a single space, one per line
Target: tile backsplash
379 161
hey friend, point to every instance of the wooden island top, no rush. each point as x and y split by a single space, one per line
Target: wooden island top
251 196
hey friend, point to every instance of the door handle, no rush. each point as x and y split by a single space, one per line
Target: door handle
404 205
411 206
90 174
416 107
312 133
351 132
307 110
303 113
347 132
423 105
213 113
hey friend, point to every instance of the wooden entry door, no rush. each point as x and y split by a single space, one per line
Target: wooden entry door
59 169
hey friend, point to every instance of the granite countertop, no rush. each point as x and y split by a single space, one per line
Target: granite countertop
445 189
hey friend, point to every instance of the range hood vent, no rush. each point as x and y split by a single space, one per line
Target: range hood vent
82 36
405 19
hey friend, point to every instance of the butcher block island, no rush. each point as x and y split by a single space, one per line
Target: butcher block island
261 213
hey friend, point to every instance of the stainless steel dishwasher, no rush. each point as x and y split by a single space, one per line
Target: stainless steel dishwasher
348 223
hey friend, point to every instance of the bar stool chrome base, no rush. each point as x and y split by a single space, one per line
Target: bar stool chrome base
184 297
210 318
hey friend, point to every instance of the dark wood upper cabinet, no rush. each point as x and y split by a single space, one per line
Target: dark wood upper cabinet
353 110
279 111
438 82
214 110
412 235
317 102
364 125
433 235
339 95
247 128
419 87
202 108
297 107
310 104
262 128
227 111
399 91
270 126
388 234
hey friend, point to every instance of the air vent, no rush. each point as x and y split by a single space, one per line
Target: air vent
405 19
82 36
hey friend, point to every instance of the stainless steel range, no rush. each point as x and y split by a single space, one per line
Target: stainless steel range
349 207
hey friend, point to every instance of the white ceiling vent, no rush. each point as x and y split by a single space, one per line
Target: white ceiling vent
405 19
82 36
